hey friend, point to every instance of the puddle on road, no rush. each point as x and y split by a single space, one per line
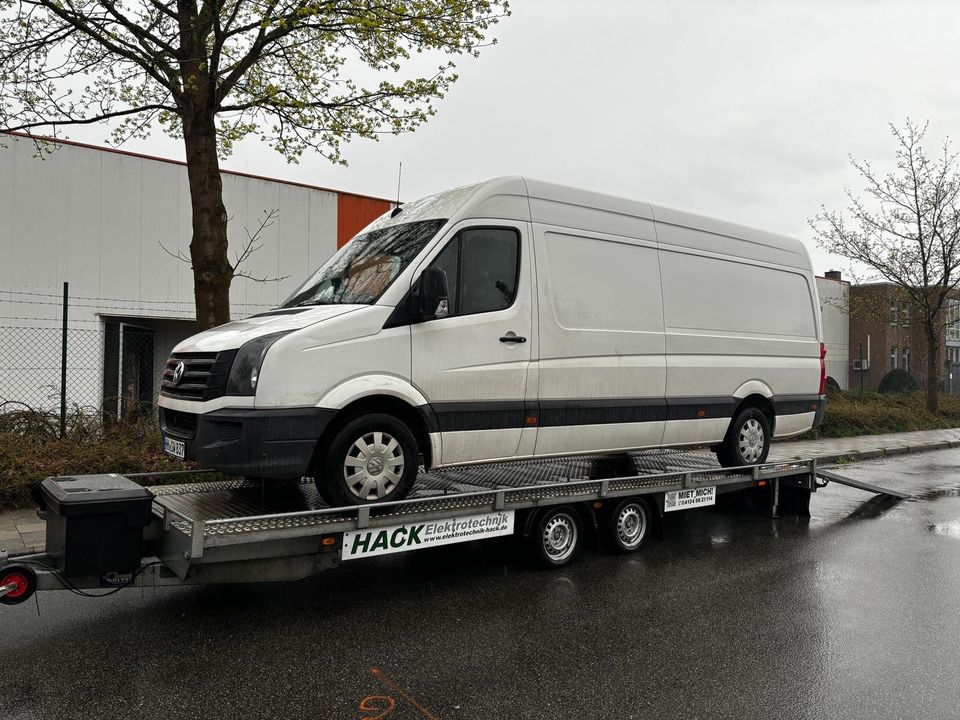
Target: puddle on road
950 529
937 493
874 507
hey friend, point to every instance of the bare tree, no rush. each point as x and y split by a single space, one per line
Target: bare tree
251 246
215 71
906 230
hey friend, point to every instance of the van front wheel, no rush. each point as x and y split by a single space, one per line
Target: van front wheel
747 441
373 458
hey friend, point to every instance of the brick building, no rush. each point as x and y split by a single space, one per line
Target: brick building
886 333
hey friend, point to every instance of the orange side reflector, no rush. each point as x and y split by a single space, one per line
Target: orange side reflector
701 413
531 421
329 540
597 505
762 483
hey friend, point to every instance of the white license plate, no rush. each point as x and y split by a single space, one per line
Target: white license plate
685 499
177 448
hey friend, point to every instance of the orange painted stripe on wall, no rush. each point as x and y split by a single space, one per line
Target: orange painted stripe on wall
354 213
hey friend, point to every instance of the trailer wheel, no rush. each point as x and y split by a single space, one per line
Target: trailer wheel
556 538
628 524
747 441
373 458
23 579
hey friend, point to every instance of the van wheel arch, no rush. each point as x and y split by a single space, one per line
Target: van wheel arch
763 404
762 412
387 404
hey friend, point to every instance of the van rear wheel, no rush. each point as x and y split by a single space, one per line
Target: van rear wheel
372 458
747 441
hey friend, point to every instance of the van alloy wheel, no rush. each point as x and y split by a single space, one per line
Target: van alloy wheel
373 466
747 441
751 441
372 457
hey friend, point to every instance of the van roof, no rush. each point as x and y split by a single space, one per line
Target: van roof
526 199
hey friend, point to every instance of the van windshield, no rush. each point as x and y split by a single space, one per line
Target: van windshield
364 268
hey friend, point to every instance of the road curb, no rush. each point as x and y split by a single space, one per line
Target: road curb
934 445
853 455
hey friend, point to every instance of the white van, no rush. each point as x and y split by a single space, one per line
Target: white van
510 319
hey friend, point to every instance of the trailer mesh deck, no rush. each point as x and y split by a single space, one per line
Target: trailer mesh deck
239 507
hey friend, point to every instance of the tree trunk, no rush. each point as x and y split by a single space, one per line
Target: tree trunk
933 369
212 272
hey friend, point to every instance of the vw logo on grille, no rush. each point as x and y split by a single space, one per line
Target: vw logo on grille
178 372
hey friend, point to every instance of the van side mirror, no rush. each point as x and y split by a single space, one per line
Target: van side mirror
431 296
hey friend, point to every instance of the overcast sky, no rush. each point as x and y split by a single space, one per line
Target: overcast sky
741 109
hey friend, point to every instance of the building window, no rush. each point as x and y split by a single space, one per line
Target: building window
893 357
953 356
953 320
893 313
905 314
906 359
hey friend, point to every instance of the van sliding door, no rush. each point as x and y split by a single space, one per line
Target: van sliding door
601 366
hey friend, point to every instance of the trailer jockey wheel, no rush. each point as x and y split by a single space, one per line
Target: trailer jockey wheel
19 581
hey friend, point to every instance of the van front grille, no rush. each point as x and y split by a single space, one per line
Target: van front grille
204 375
179 424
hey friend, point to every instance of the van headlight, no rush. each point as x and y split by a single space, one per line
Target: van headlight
245 371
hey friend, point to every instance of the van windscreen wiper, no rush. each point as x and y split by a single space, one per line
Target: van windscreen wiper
309 303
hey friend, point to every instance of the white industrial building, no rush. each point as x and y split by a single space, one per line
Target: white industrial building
103 220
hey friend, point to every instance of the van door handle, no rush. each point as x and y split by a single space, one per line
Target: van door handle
511 338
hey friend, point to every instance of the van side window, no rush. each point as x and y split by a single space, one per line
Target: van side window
489 261
482 267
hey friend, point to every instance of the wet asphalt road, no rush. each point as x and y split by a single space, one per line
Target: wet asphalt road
853 613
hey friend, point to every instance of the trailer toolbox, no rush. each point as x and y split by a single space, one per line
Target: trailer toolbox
95 523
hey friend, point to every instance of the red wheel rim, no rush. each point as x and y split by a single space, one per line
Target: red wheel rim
21 584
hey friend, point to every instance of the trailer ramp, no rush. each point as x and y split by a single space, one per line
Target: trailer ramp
860 485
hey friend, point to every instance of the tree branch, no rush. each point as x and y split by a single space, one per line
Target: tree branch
252 246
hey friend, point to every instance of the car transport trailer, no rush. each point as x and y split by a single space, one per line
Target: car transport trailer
106 531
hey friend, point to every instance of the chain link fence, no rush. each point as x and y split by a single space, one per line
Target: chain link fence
112 372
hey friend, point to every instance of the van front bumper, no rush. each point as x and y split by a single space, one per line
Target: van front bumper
256 443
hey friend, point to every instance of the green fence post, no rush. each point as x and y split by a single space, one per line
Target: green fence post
63 364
